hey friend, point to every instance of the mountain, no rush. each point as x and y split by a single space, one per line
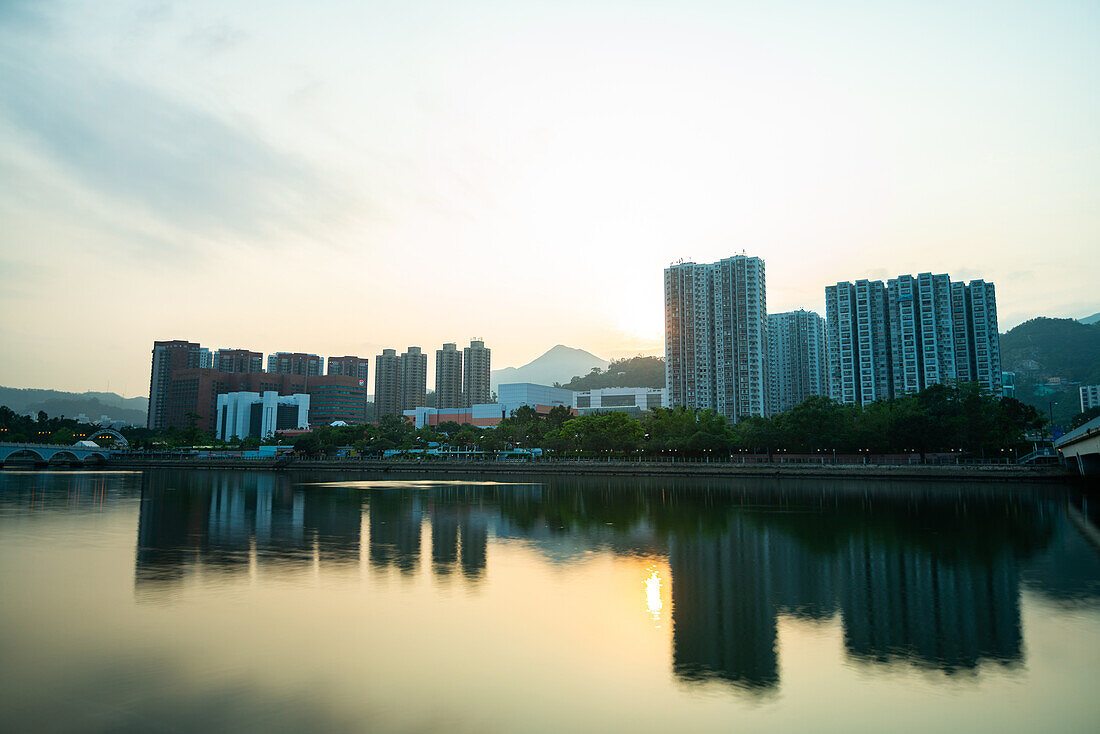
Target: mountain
1042 348
1089 320
630 372
71 404
560 364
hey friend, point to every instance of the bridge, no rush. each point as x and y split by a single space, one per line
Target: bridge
51 453
1081 448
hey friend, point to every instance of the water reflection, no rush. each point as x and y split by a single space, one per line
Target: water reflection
237 524
923 575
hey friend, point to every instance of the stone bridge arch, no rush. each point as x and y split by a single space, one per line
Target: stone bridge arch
64 456
21 452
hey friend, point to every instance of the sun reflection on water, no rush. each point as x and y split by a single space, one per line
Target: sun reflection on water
653 595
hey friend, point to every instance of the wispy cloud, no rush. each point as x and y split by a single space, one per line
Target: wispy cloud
139 148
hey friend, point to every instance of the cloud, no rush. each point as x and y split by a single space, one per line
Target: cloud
139 148
216 38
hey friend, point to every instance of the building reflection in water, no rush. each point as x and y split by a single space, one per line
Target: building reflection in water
723 615
395 525
228 523
915 574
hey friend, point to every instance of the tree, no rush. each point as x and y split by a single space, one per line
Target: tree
465 437
191 435
558 415
62 436
307 444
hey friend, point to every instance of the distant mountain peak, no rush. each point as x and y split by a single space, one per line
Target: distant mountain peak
1089 320
560 363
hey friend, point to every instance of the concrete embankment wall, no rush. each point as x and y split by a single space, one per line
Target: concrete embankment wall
913 471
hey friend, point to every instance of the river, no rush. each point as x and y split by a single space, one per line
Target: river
230 601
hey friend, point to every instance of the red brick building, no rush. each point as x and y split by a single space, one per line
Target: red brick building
179 387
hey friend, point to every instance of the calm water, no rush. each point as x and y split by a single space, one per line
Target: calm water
231 601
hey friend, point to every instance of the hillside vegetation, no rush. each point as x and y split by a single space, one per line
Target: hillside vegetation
1042 348
629 372
59 403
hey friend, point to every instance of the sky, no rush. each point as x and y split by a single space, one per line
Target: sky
341 177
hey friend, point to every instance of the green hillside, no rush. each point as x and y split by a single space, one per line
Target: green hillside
92 404
630 372
1041 349
1044 348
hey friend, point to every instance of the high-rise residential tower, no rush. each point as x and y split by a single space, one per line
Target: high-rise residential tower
796 359
740 338
475 374
858 342
387 384
238 360
689 335
448 377
890 340
295 363
414 379
716 336
349 366
168 357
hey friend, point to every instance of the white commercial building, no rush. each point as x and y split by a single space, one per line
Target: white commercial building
1090 397
513 395
629 399
252 415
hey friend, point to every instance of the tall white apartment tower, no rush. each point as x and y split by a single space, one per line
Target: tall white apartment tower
985 339
796 359
716 336
893 340
689 335
858 341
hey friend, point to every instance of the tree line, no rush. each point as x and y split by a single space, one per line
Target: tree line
18 428
942 418
961 418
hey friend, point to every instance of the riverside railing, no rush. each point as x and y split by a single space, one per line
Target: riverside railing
777 459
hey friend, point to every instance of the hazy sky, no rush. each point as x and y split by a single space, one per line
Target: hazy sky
338 177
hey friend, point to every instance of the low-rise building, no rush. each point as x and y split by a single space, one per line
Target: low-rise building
337 398
1090 397
255 415
514 395
482 415
1008 384
626 399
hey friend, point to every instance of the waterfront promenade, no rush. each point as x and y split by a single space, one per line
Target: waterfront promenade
669 468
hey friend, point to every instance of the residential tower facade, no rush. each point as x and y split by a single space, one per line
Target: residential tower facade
716 336
797 366
893 339
448 377
475 374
